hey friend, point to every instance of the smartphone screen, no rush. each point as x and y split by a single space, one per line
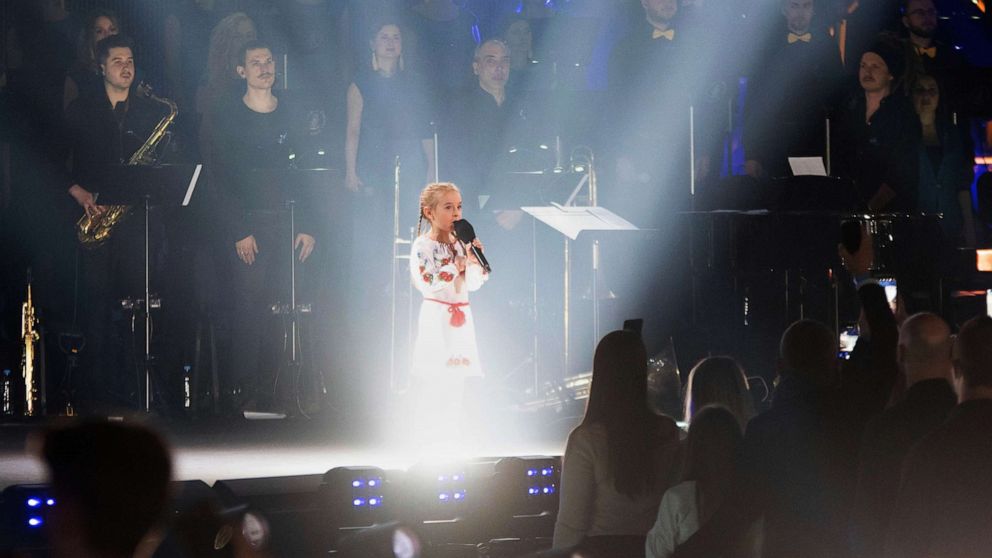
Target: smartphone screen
848 338
891 291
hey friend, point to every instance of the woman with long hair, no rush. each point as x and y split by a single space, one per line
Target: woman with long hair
719 380
227 41
84 75
714 444
946 162
388 124
622 457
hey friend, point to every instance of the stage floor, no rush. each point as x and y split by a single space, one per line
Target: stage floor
215 449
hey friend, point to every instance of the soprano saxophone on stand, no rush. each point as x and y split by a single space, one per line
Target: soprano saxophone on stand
92 231
29 337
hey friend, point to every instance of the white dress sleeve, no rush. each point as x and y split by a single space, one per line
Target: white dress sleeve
578 491
475 276
430 275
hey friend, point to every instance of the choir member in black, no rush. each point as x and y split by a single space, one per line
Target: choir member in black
477 134
85 72
644 162
790 93
879 137
105 129
256 131
933 57
483 123
387 118
946 163
648 123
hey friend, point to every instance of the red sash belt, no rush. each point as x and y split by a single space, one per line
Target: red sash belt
455 309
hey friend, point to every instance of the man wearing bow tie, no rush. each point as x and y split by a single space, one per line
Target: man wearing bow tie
790 94
933 57
649 95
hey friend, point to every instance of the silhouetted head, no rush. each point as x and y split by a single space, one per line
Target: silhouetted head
808 351
719 380
110 482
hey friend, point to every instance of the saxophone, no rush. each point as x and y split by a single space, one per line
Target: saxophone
29 336
94 231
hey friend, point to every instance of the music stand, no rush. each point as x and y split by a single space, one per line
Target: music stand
279 189
148 186
571 222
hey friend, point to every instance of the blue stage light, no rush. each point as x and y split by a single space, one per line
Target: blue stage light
35 522
33 502
373 501
373 482
50 501
356 483
357 502
443 496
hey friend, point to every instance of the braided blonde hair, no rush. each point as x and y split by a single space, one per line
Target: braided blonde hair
431 196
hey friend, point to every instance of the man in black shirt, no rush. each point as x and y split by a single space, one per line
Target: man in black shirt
255 131
105 130
790 93
484 123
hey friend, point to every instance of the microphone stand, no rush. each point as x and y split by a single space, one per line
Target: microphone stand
395 256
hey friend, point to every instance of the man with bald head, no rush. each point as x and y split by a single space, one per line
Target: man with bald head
481 124
924 356
943 508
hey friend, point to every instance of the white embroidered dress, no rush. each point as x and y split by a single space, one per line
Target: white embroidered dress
444 349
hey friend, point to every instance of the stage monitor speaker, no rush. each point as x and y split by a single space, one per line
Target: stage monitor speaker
525 493
282 516
24 512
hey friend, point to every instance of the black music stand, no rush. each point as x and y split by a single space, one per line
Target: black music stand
283 189
815 193
527 189
145 187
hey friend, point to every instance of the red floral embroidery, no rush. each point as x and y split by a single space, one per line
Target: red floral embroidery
428 277
445 276
446 261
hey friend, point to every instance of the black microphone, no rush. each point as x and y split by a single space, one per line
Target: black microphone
466 234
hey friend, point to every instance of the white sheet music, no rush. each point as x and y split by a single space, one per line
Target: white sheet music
570 221
192 185
807 166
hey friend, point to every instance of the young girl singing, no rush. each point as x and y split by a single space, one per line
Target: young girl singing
444 271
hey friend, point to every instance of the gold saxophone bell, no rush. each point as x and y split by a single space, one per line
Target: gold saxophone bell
92 231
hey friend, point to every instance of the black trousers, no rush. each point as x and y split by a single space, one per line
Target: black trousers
257 336
114 334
